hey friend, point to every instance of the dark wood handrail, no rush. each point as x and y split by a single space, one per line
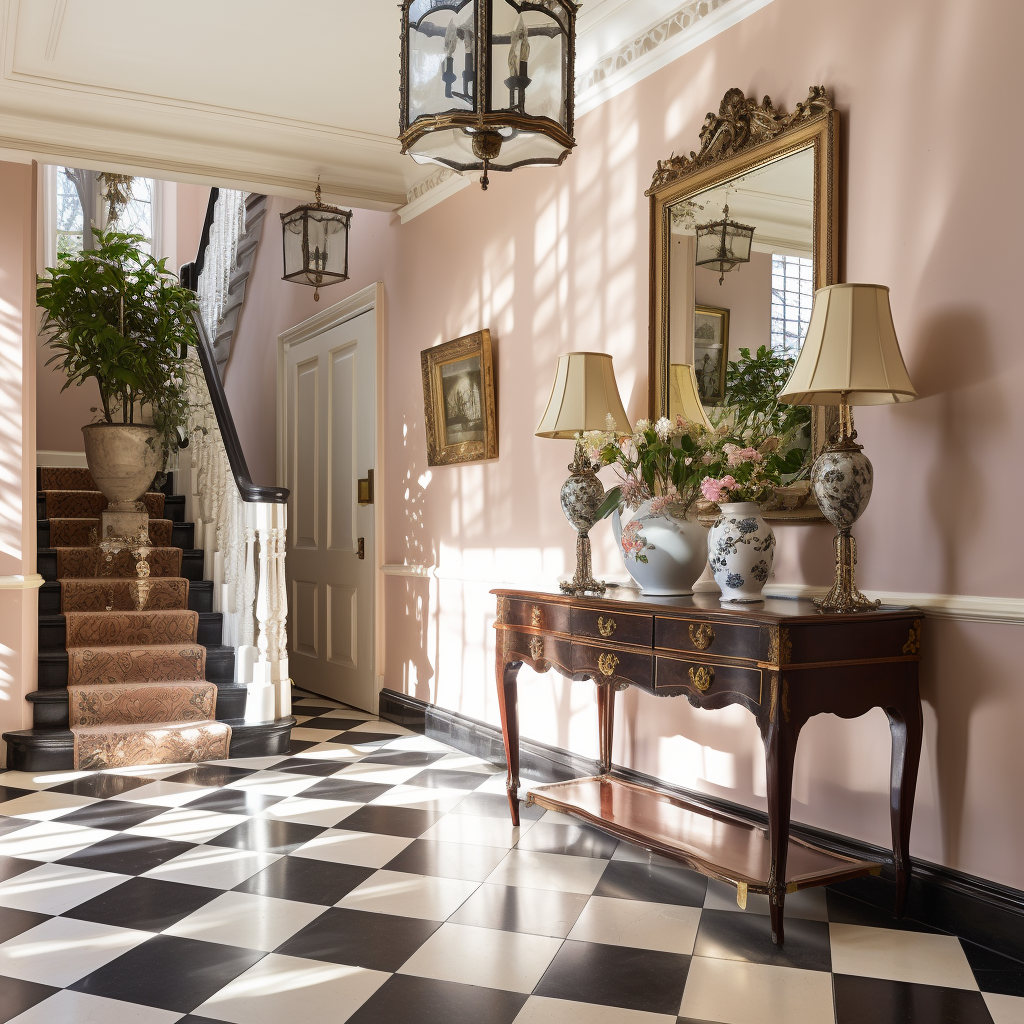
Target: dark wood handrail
189 276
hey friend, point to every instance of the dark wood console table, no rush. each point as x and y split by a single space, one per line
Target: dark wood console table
780 659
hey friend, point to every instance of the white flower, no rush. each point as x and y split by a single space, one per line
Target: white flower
663 428
609 422
642 425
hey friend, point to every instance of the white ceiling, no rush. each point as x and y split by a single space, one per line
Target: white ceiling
257 94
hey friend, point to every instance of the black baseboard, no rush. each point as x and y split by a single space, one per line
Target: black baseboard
974 909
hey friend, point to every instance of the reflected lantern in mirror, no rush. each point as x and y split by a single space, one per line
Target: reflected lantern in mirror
487 84
316 244
724 244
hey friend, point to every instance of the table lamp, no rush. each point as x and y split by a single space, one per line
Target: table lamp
684 398
849 357
584 395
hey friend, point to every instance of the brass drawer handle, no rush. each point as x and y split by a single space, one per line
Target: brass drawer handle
702 677
536 646
535 617
701 636
605 626
607 663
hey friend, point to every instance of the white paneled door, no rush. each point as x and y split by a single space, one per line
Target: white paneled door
330 419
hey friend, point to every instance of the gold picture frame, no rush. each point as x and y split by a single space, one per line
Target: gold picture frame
459 409
711 352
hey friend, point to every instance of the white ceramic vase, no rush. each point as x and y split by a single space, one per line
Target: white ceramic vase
667 554
741 549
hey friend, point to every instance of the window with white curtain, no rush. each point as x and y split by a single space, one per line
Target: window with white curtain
792 298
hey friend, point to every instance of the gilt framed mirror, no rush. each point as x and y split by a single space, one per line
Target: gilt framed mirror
742 233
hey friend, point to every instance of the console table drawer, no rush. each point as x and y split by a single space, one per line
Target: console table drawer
685 635
553 618
707 681
606 665
534 648
622 628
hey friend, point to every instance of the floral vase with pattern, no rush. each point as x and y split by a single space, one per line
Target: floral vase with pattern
664 554
741 548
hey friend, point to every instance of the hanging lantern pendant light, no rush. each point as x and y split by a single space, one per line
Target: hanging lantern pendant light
724 244
315 239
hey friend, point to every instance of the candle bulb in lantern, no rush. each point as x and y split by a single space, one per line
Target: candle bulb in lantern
448 76
468 75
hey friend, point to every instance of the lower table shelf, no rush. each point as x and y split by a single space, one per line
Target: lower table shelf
711 842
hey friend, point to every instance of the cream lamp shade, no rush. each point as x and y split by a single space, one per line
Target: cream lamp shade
684 399
850 349
583 396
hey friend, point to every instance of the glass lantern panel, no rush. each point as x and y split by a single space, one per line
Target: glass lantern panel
738 241
529 58
709 244
441 65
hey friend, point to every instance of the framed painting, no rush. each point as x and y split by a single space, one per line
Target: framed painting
710 352
458 401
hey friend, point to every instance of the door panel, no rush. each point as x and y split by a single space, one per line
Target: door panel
304 617
342 438
307 437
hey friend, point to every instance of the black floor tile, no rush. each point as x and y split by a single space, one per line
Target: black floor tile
379 942
313 710
18 996
148 904
169 972
653 883
332 725
211 775
406 758
304 880
345 789
638 979
365 738
403 999
298 746
410 822
10 793
127 854
730 935
14 922
439 778
235 801
298 766
13 824
102 786
267 835
843 909
447 860
876 1001
573 840
494 805
11 866
993 971
114 815
514 908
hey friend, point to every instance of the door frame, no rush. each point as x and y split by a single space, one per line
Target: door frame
369 298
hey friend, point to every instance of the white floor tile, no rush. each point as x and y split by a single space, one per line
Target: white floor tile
549 871
187 825
807 904
405 895
1004 1009
330 752
39 780
316 735
251 922
257 763
149 771
512 961
54 888
285 989
217 867
166 794
348 713
271 783
69 1007
381 725
915 957
477 830
43 805
60 951
367 849
458 761
733 992
310 811
638 924
638 855
542 1010
50 840
382 774
416 741
441 801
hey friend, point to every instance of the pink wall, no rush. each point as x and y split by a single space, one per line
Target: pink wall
747 293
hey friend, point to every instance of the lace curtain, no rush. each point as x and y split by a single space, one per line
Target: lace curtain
221 255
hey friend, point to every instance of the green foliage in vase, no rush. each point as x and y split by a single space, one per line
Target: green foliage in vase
117 315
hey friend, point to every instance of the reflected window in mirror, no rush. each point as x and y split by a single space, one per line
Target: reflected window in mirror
792 298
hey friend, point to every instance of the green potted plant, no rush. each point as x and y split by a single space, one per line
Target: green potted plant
115 314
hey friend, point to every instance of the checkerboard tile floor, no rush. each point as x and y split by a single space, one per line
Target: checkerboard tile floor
373 876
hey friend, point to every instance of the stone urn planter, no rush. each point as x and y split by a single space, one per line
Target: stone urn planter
122 461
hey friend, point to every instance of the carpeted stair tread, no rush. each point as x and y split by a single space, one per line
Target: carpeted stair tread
78 533
157 663
89 504
131 629
132 703
90 563
117 746
93 595
65 478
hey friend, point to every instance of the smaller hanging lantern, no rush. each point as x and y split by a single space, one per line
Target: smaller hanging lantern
723 245
316 244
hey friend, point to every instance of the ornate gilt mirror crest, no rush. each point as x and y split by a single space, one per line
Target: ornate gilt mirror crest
742 233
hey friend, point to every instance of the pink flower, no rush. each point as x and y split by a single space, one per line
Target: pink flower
737 456
717 490
659 504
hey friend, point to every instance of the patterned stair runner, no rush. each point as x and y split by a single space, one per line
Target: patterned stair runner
137 688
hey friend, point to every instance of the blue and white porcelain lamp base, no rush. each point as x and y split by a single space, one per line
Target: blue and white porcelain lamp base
581 497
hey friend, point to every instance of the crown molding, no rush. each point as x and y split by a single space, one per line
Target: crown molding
444 182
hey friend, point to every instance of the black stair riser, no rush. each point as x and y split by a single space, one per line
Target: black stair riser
174 507
50 707
183 535
191 564
53 667
53 749
53 630
200 597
